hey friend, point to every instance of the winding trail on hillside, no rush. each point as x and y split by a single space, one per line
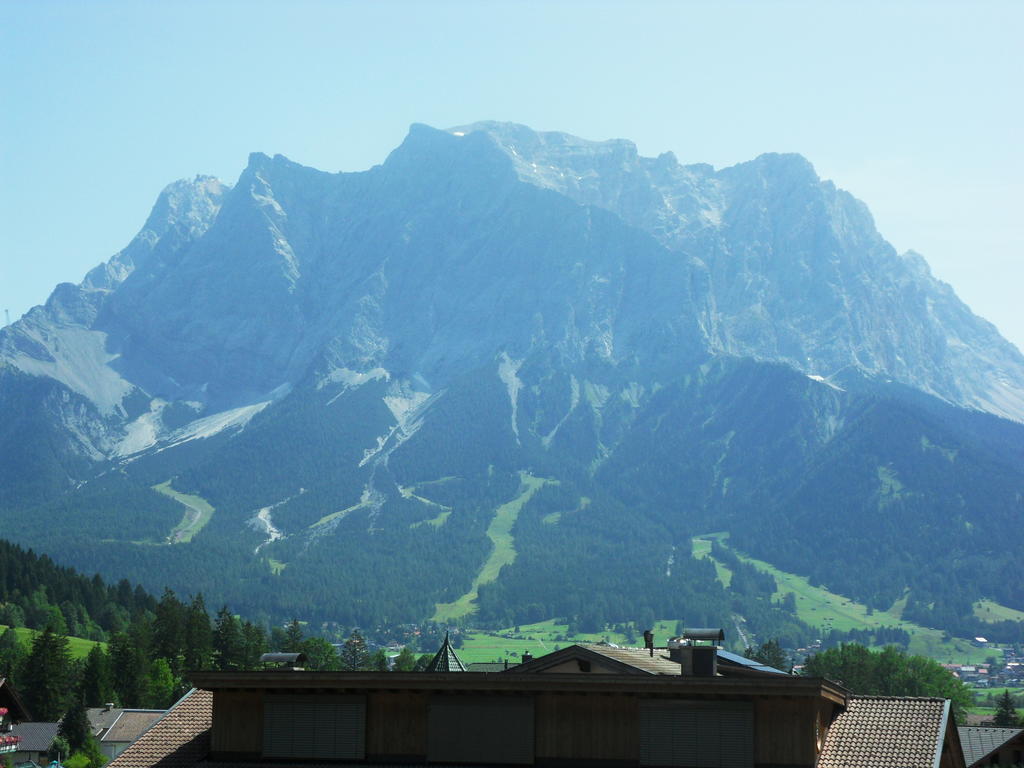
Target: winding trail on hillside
198 512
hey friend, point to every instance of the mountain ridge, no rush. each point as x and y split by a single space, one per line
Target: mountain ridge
337 354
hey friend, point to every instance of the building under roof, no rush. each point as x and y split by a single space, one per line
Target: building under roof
892 732
992 746
584 705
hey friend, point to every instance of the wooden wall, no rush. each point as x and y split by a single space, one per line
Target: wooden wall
396 724
587 726
784 731
567 726
237 722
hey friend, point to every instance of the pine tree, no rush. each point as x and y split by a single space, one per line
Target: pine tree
1006 714
770 653
129 666
254 645
45 676
96 687
74 726
227 642
354 654
169 630
293 637
198 637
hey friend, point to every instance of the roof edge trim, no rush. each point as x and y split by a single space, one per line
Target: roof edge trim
943 727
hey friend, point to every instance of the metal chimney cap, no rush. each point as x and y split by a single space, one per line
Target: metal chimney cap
283 658
705 634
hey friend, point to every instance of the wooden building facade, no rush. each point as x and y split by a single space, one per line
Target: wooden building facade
523 718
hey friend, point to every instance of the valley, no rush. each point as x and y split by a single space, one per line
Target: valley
481 383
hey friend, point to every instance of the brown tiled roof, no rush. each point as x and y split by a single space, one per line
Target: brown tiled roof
979 743
179 739
131 724
886 732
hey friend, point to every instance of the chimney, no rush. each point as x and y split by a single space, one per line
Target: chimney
696 652
649 641
108 706
527 657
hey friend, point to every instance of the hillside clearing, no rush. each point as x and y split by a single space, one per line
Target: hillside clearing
198 513
826 610
503 553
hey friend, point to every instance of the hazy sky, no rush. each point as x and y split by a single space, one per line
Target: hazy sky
915 107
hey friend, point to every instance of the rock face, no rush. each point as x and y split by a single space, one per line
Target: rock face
307 350
796 271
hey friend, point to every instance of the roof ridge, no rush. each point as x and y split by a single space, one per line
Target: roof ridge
897 698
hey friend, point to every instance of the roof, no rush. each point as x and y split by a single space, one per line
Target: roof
979 743
10 698
642 661
487 666
35 737
131 724
747 664
180 738
101 718
887 732
446 660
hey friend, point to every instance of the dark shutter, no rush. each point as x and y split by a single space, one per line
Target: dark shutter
496 729
315 727
696 734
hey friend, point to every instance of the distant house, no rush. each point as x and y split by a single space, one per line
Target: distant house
115 728
992 746
13 715
690 704
34 741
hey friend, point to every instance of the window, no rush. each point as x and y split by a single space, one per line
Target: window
697 734
321 727
495 729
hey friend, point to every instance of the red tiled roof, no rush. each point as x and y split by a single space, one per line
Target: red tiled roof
179 739
886 732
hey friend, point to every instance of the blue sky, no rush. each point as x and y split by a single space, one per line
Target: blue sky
915 107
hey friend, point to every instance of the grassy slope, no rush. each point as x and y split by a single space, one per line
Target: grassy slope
198 512
540 638
78 646
991 611
826 610
504 552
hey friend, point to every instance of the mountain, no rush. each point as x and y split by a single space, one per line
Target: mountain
514 373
